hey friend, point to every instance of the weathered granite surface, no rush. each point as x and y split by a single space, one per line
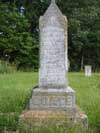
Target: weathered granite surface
53 49
75 122
51 99
53 91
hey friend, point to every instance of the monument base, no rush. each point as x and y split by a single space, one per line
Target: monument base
52 99
52 119
53 108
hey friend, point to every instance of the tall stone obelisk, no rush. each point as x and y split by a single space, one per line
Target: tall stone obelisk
53 95
53 48
53 92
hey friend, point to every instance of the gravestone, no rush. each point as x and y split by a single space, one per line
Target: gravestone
53 91
53 94
88 71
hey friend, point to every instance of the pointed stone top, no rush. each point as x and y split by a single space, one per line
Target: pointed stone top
53 1
54 12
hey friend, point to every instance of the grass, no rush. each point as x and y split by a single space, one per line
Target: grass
15 90
88 96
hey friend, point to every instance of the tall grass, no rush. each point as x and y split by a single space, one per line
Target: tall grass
88 97
15 90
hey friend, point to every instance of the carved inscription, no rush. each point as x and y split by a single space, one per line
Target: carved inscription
52 101
52 57
69 101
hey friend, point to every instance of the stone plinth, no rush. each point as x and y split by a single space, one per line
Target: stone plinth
61 120
52 99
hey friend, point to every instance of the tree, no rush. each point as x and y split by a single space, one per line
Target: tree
15 40
23 31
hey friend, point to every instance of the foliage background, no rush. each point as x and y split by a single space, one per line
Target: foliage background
19 34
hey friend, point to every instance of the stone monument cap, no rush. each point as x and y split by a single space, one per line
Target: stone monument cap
53 1
53 12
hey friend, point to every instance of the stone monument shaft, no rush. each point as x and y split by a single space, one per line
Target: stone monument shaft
53 48
53 91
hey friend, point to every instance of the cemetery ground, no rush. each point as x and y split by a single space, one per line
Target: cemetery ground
15 91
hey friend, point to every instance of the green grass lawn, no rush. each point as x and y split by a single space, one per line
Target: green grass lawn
15 90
